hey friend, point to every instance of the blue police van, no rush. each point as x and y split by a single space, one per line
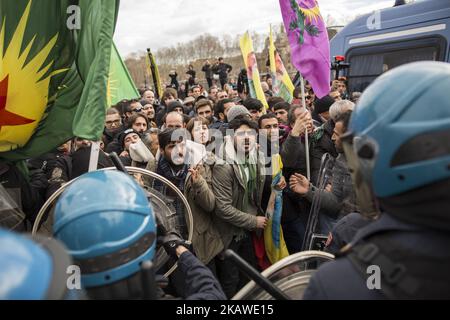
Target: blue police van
375 43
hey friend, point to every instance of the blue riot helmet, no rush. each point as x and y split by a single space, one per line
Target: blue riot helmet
32 269
106 222
398 140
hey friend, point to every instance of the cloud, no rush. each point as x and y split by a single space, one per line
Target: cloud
160 23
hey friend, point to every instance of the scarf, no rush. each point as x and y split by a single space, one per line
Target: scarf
250 180
177 178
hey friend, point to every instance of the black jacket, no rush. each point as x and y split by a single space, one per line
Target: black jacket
207 70
72 166
46 162
342 199
222 69
345 230
293 150
343 280
174 82
192 73
200 283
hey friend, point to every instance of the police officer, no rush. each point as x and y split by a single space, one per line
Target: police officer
398 148
105 220
33 269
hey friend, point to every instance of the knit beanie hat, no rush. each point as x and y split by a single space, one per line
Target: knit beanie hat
237 111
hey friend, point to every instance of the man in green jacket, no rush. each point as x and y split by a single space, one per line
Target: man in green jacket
237 185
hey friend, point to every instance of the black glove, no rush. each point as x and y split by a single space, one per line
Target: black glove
171 242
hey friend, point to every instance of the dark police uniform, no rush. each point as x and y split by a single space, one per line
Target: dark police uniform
414 263
200 284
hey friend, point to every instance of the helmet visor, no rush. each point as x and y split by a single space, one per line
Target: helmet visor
360 170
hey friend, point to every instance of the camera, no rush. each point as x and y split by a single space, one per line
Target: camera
339 64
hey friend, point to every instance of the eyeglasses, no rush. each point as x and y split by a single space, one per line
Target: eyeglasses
111 123
138 110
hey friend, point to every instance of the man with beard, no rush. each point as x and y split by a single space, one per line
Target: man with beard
281 111
172 166
269 140
220 113
204 108
113 126
341 199
255 107
237 185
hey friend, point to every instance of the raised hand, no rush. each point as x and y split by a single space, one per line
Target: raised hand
299 184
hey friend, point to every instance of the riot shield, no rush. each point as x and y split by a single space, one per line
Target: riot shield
163 207
291 275
11 216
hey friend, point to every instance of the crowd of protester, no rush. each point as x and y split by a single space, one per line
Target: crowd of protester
216 146
228 198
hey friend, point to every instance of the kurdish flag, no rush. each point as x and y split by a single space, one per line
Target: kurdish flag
54 68
282 85
308 37
120 85
254 82
276 248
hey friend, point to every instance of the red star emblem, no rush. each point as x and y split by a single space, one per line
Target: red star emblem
8 118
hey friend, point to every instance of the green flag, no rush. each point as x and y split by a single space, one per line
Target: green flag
54 67
120 84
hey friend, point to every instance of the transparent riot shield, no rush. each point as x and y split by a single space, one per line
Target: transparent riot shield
11 216
291 275
163 207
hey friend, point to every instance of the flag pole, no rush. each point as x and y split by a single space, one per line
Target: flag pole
154 74
308 166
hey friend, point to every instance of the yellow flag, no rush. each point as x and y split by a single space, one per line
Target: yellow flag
275 245
282 85
254 82
152 69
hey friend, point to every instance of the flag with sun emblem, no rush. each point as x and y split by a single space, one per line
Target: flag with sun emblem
308 37
54 67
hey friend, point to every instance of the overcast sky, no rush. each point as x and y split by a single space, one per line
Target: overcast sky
161 23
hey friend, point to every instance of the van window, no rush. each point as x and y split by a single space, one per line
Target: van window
366 64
